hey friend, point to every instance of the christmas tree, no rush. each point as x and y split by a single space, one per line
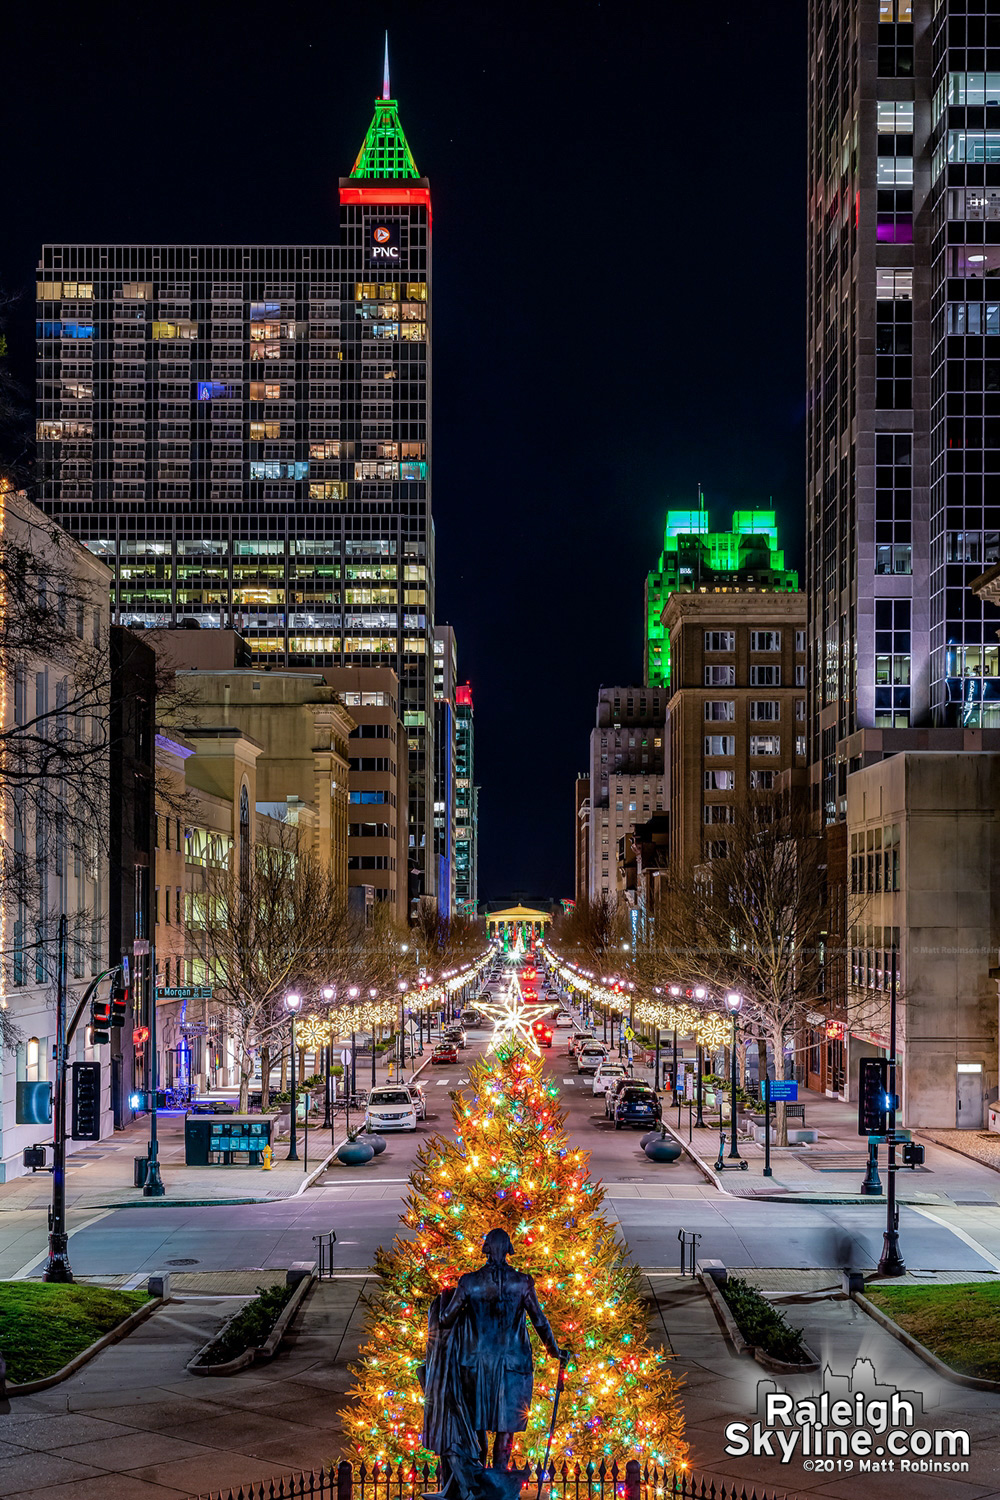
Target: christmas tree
510 1165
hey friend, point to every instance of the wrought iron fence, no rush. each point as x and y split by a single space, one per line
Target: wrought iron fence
590 1481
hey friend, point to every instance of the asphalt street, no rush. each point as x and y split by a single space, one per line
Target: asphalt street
650 1204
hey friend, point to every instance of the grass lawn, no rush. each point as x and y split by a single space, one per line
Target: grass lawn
960 1323
43 1325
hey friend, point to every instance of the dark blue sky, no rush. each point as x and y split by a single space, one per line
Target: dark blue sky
619 281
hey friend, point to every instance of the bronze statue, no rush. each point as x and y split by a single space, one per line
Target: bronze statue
478 1377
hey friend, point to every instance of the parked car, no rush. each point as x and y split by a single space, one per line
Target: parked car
542 1031
607 1074
580 1039
390 1109
446 1052
611 1095
637 1104
419 1098
590 1057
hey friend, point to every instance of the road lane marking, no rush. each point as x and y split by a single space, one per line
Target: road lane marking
959 1234
44 1254
569 1080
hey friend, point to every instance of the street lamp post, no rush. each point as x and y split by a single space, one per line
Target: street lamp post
372 995
329 993
352 995
733 1004
402 987
293 1003
891 1262
675 991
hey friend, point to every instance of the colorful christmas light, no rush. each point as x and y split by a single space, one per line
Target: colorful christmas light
511 1164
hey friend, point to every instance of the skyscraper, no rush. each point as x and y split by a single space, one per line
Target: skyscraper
903 412
242 433
627 781
466 806
694 559
445 682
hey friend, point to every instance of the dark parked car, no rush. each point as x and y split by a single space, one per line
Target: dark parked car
636 1105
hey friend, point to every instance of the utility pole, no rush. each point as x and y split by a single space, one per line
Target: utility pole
153 1185
57 1267
891 1263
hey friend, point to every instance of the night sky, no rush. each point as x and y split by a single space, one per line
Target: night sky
619 282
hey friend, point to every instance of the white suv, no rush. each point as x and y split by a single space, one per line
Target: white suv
390 1108
607 1075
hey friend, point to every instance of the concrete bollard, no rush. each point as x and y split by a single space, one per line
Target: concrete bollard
298 1271
714 1268
852 1281
159 1285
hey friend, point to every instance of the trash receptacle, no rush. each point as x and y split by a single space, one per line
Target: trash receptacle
139 1165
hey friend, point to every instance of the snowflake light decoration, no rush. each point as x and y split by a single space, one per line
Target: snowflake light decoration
512 1019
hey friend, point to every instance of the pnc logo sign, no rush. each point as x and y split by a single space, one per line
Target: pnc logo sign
384 244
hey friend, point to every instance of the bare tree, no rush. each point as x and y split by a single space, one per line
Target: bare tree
593 932
443 941
283 924
751 921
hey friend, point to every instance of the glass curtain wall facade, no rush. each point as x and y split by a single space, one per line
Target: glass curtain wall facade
903 503
243 434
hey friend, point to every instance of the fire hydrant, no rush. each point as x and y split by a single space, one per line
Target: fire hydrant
267 1157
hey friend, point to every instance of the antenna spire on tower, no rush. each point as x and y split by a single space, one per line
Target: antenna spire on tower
385 70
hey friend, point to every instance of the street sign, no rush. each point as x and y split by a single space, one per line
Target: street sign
345 1057
185 992
784 1090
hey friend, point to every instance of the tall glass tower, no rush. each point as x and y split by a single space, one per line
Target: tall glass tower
903 424
242 432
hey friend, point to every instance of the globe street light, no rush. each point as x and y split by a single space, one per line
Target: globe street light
372 994
733 1004
329 994
402 987
352 994
293 1004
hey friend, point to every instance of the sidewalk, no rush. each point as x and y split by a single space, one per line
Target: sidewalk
832 1169
101 1175
720 1388
133 1424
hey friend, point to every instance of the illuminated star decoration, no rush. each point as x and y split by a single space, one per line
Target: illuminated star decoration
512 1019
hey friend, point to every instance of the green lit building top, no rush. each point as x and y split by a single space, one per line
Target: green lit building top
695 559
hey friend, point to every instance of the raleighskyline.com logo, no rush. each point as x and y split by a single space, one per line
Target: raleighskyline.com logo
852 1425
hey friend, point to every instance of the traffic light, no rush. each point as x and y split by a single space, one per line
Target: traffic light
142 1099
119 998
873 1096
100 1022
913 1154
86 1102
